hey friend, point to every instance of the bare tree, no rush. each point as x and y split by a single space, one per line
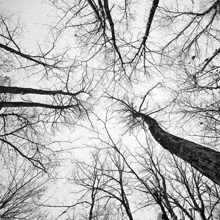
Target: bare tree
118 48
21 188
183 191
104 185
204 159
107 28
27 113
149 179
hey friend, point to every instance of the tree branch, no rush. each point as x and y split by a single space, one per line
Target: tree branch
34 104
21 90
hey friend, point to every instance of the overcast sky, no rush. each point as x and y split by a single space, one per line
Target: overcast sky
33 14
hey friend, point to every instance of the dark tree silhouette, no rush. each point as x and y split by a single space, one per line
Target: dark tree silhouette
21 189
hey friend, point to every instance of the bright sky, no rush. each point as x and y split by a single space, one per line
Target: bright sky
33 14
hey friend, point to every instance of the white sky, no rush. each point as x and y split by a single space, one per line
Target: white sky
33 14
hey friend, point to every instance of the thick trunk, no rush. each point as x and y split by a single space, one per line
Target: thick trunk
204 159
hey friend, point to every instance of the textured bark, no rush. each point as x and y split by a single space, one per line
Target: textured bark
204 159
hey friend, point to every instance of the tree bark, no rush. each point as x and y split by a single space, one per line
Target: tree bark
22 90
203 159
34 104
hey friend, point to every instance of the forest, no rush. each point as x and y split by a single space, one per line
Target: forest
113 113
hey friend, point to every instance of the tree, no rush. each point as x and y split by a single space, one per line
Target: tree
148 179
183 191
126 55
103 187
29 112
204 159
21 188
108 53
195 51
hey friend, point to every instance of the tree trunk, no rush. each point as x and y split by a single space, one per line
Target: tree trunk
22 90
203 159
35 104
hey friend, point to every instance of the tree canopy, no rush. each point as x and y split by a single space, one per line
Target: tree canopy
124 93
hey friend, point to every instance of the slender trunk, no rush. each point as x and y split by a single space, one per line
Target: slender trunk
28 57
204 159
22 90
150 19
34 104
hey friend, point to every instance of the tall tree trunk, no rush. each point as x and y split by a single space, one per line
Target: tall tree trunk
204 159
35 104
22 90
